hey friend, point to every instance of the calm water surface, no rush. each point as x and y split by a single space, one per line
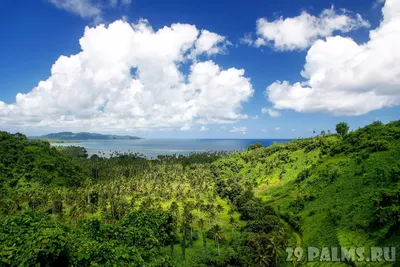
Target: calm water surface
151 148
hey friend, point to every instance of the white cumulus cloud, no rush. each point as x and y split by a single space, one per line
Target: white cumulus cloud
271 112
346 78
128 77
203 129
301 32
209 43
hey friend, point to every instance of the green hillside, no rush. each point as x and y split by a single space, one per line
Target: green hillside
332 190
59 208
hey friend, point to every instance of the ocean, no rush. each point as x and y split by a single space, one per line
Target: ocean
151 148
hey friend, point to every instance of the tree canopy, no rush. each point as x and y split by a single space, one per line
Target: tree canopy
342 128
60 208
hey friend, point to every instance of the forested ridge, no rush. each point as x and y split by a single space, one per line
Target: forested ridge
60 208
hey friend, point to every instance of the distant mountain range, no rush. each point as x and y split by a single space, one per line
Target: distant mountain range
84 136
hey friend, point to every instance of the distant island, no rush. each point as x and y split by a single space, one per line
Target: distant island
68 136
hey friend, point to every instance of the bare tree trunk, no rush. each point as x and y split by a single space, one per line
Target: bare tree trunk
191 236
112 209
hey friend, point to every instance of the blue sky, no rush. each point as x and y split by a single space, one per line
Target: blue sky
256 36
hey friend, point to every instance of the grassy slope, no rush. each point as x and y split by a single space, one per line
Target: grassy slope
343 203
331 212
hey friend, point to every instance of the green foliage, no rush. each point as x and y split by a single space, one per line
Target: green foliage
30 239
255 146
342 128
241 209
387 210
74 151
36 161
303 175
325 185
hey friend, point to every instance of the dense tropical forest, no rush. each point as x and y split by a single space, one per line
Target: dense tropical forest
59 207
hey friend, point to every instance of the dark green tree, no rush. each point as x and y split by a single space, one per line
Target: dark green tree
342 128
255 146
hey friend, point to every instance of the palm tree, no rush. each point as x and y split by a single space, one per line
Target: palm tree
199 205
187 220
174 209
231 211
200 223
211 216
219 208
217 235
262 254
276 243
232 222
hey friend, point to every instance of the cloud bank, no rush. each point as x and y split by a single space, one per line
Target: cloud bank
346 78
299 33
130 77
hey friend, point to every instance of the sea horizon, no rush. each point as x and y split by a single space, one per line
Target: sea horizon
152 148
